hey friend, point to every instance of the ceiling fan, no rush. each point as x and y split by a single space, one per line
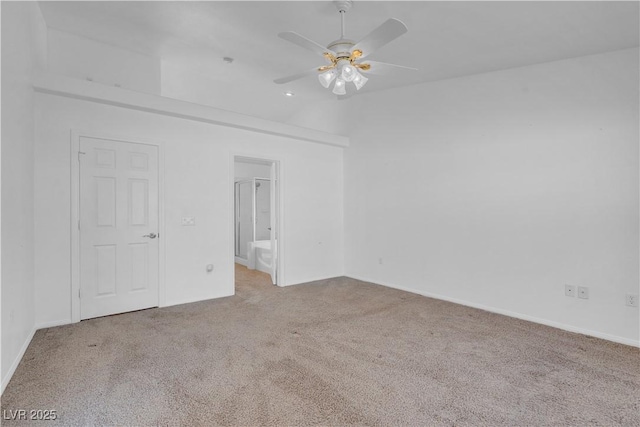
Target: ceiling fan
345 56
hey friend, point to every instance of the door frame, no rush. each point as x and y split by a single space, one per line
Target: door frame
75 213
280 188
236 217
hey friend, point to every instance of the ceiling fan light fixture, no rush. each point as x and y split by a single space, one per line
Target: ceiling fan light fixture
359 80
340 87
348 73
327 77
344 55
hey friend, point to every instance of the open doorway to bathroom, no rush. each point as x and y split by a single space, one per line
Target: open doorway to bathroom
256 201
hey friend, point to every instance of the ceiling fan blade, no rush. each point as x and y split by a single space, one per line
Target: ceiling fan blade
390 30
293 77
384 68
304 42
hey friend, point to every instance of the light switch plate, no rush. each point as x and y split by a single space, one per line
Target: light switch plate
188 220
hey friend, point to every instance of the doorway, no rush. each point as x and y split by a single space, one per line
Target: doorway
256 216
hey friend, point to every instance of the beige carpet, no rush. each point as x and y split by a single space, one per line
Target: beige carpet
333 352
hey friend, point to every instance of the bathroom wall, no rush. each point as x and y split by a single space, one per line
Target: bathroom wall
248 213
243 208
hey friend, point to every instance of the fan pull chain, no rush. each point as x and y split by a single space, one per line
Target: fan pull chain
342 13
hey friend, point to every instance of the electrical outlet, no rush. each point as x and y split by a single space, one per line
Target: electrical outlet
570 290
583 292
209 268
380 261
632 300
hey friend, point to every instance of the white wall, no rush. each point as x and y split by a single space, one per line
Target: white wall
251 170
23 47
197 183
495 190
82 58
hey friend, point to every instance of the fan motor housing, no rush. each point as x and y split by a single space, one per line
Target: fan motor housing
341 47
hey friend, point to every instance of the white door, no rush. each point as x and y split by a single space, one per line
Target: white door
263 209
274 223
119 254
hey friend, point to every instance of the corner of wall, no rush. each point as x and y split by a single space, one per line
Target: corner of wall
24 49
12 369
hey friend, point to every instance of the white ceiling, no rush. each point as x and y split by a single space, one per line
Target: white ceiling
445 40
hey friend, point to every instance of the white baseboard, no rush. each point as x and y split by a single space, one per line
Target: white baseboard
16 361
565 327
241 261
192 300
314 280
52 324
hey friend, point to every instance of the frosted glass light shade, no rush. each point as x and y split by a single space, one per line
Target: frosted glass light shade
348 73
359 80
327 77
339 87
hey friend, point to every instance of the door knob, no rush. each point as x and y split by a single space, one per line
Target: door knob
151 235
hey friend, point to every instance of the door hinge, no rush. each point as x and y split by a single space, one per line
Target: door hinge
78 224
80 153
79 293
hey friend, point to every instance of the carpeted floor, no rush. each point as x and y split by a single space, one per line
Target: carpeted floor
333 352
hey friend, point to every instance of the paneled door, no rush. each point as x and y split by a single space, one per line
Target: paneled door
119 250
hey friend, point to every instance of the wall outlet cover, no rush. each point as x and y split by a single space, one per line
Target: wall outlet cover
570 290
583 292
